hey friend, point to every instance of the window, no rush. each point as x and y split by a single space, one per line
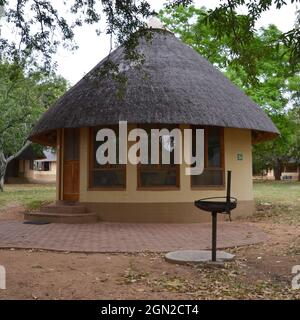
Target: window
46 166
213 174
107 176
42 166
160 176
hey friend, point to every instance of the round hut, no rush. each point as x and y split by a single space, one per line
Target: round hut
174 87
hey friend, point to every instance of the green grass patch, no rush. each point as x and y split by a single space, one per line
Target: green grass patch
275 200
276 191
31 196
278 201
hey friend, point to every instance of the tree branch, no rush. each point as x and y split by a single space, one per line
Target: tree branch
12 157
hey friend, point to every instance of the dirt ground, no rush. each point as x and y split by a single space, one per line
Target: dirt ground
260 271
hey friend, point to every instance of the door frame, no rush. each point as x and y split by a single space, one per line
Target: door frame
61 144
59 149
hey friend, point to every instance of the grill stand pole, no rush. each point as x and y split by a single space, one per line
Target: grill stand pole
214 237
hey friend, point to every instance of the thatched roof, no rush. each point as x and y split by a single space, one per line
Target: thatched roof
49 156
175 85
30 154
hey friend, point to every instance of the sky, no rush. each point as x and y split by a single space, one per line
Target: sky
93 48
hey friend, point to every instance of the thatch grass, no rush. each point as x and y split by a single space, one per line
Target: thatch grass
174 85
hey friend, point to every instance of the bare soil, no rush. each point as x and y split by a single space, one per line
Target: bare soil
12 211
260 271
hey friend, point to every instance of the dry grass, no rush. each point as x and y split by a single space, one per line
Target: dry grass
278 202
30 196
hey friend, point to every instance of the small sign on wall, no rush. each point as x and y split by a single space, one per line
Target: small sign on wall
239 156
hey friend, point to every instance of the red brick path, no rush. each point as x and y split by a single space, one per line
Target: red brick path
125 237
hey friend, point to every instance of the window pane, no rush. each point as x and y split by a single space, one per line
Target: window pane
156 175
213 172
97 144
154 178
107 175
208 178
46 166
108 178
166 142
214 148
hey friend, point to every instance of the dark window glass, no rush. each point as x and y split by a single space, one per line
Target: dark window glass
155 178
108 178
159 175
213 174
107 175
208 178
214 148
46 166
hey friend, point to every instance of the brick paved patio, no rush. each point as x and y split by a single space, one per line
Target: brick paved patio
125 237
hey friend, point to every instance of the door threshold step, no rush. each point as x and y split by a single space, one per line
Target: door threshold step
61 217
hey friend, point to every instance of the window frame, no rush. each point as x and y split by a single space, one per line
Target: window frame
222 157
106 167
158 167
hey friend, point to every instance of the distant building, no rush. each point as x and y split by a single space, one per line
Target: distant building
290 171
32 167
44 170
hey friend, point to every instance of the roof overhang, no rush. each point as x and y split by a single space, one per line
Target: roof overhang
263 136
50 138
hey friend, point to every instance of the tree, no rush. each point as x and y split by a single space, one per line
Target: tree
275 89
294 115
23 97
234 45
48 25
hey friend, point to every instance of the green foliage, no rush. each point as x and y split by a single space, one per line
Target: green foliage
262 70
240 29
42 26
23 98
294 116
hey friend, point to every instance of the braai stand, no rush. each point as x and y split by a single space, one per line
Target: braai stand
214 205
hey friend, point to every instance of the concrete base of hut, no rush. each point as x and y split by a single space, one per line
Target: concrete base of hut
172 212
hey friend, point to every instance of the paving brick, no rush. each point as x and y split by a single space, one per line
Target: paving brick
125 237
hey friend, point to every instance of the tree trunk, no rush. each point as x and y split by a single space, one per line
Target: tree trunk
278 170
3 166
4 162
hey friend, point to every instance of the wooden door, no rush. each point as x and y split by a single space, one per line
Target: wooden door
71 165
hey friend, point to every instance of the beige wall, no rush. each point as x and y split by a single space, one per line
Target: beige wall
236 141
293 176
172 212
40 176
